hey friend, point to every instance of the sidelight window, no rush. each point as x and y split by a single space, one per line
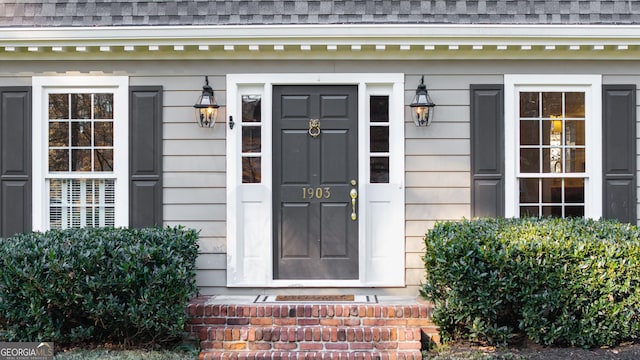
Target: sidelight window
379 139
251 139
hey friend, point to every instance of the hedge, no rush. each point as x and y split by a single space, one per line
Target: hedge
121 285
564 282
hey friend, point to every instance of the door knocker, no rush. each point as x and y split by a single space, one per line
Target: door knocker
314 128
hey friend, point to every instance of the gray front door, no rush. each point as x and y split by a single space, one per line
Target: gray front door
315 168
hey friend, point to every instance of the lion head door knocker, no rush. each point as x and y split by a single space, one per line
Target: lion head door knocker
314 128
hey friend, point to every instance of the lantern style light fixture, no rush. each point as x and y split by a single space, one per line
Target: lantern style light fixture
422 107
206 107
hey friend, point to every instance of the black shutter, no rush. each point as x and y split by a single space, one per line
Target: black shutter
619 152
145 156
487 151
15 160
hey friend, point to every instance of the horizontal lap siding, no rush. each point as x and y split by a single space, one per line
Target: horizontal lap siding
437 161
437 164
194 193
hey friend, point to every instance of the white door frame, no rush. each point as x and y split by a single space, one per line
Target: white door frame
249 206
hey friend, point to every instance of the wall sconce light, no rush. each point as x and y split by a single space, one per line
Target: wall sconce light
206 107
422 107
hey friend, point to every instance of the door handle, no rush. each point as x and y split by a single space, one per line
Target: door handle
354 196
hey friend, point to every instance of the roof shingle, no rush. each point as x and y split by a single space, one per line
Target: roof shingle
57 13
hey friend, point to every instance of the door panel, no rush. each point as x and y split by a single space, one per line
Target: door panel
298 216
335 145
315 236
295 163
335 220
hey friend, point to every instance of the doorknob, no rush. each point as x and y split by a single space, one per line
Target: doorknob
354 196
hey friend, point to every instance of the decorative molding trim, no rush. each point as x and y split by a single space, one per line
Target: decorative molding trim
391 41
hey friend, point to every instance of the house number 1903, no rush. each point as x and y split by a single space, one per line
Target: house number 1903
316 193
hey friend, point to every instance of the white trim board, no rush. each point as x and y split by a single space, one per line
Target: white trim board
397 41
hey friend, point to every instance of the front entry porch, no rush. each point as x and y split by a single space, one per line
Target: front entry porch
236 327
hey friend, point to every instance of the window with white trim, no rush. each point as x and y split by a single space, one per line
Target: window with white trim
553 153
80 154
379 139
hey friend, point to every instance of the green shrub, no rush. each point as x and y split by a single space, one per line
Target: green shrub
93 285
558 281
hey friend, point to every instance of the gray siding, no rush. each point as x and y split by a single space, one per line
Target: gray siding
437 158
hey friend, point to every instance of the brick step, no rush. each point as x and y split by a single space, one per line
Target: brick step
304 331
200 308
311 338
311 355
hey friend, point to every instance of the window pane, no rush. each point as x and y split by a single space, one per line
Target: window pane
251 171
103 160
553 211
574 132
529 211
561 149
574 190
574 104
552 190
575 160
379 108
58 134
529 105
574 211
81 133
80 106
251 108
529 132
103 135
379 170
379 137
103 106
58 106
80 160
529 191
529 160
59 160
81 202
552 132
251 139
55 203
551 104
552 160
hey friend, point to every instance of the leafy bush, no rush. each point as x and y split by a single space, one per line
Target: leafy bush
93 285
559 281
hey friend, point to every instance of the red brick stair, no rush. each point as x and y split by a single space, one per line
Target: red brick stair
242 330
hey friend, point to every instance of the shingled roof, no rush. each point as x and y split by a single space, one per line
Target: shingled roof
75 13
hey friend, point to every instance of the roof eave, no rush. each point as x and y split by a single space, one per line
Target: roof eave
325 40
